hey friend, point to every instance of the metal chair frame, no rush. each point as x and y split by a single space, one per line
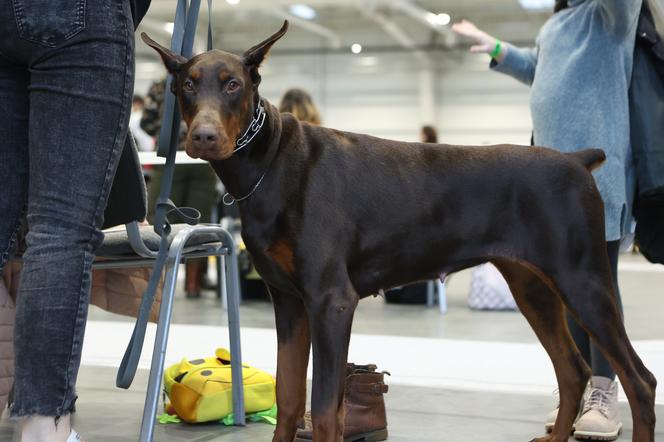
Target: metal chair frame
229 286
127 205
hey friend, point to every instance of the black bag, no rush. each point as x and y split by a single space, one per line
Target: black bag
646 102
138 10
650 229
409 294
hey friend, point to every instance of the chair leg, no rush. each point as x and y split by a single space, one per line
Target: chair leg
232 292
218 264
222 281
430 293
442 296
159 354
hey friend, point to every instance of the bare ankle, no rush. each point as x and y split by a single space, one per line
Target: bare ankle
40 428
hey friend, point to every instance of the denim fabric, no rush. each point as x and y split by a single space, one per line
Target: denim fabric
580 72
66 81
590 352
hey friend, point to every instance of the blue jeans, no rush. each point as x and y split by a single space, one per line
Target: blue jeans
590 352
66 82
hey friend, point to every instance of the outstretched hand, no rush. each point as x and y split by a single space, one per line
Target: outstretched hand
484 43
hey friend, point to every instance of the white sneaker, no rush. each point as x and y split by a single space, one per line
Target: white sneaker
74 437
600 416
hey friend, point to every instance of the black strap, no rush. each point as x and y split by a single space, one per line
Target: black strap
209 38
184 31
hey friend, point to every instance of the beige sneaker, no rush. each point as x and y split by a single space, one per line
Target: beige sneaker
551 417
600 416
551 420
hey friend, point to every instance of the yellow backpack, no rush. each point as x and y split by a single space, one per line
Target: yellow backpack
200 389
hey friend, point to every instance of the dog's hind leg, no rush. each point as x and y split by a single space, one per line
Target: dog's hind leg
331 313
292 359
586 292
546 314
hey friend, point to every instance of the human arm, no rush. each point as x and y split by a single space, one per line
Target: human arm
519 63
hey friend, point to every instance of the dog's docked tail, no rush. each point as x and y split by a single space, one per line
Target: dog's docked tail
591 159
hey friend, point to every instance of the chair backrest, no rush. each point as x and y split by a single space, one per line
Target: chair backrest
127 201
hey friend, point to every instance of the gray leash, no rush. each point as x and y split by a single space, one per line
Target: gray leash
184 31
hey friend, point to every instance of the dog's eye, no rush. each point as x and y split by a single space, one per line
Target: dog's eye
188 85
232 86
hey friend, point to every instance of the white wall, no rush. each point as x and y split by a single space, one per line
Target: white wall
380 94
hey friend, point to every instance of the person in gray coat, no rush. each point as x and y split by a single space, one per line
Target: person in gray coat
579 72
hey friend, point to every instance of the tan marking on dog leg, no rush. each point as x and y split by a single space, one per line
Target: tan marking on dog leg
282 253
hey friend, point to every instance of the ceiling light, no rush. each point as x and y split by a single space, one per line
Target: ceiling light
303 11
443 19
169 27
438 19
232 2
536 5
356 48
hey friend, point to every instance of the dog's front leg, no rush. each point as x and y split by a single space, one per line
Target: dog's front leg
331 317
293 356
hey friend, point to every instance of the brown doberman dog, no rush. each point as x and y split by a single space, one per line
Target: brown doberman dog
331 217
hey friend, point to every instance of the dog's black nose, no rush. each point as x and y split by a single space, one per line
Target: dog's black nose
204 136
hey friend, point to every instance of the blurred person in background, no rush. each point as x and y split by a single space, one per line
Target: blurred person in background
428 134
299 103
194 185
579 72
144 142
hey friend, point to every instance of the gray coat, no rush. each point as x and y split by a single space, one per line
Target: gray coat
580 73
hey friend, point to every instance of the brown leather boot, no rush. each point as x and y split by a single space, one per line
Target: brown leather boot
364 407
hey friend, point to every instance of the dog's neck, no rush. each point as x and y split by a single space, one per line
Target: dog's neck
243 172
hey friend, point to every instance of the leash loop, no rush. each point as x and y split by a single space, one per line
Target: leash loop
184 31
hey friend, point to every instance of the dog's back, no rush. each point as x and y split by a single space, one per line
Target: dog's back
428 194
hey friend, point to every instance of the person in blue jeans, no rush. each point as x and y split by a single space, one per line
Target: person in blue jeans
579 73
66 84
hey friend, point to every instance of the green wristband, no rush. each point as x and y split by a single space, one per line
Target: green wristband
496 50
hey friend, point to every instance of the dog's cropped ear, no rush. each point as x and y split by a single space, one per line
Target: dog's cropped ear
172 61
254 57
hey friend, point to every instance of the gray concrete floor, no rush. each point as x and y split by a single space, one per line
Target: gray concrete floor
105 413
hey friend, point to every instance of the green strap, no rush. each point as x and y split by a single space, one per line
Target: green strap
169 419
496 50
268 416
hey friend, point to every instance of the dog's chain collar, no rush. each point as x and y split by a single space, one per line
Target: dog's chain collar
254 127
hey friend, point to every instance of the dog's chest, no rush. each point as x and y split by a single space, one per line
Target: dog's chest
272 253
